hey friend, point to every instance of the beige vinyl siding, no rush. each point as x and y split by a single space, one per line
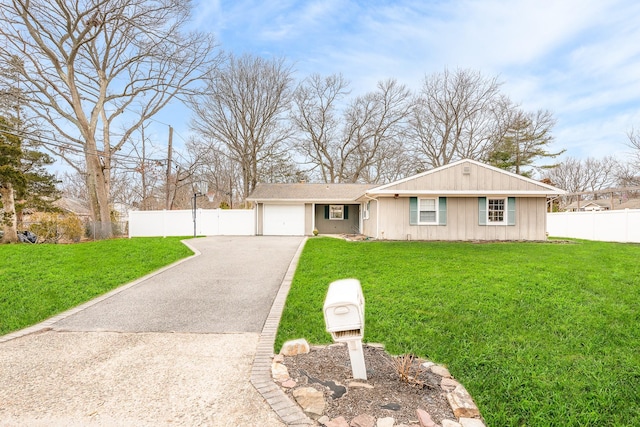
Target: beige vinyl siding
369 226
308 219
462 221
260 219
479 178
350 225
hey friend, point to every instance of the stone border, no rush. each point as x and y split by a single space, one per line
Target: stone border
289 412
47 325
462 406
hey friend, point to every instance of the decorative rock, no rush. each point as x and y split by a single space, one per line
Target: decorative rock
427 365
363 421
449 384
440 370
386 422
289 383
279 372
279 358
424 418
471 422
295 347
376 345
462 404
391 406
337 422
323 420
311 401
450 423
354 384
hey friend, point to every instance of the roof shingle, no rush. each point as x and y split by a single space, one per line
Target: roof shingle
308 192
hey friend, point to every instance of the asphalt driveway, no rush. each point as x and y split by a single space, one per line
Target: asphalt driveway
173 349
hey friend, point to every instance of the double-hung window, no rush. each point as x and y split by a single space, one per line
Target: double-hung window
497 210
496 213
427 211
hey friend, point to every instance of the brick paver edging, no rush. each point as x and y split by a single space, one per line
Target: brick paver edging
48 324
288 411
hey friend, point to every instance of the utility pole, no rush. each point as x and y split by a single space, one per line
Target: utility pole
168 189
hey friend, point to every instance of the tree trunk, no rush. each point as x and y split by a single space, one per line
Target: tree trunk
10 222
98 197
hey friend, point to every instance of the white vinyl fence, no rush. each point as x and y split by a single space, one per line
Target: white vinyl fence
607 226
209 222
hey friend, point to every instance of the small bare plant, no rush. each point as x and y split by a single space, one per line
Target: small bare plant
409 369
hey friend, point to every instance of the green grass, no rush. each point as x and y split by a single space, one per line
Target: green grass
540 334
39 281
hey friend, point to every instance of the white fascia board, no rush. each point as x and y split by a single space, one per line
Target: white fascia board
464 193
316 201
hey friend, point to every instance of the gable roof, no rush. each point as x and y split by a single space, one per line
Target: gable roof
603 203
74 206
466 178
303 192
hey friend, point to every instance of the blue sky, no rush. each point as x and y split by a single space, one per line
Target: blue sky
580 59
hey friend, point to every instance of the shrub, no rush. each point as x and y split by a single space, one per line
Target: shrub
45 226
72 228
53 227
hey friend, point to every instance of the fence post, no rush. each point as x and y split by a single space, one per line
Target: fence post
164 223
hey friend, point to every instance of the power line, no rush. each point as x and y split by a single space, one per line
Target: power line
76 147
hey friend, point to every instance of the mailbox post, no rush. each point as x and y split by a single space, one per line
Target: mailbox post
344 319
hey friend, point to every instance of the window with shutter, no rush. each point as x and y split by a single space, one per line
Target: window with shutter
497 211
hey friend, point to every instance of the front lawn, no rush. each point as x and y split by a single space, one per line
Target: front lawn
39 281
541 334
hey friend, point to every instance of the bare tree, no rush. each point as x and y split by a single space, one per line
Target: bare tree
372 127
587 175
139 174
457 115
315 114
244 111
634 144
89 63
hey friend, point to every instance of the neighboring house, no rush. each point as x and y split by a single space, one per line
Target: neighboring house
465 200
628 204
603 205
74 206
589 205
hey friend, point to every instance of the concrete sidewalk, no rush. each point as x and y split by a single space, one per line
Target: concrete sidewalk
176 348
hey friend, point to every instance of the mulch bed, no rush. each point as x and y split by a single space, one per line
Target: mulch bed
328 369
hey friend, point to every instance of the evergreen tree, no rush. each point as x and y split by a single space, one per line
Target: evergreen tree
24 182
523 142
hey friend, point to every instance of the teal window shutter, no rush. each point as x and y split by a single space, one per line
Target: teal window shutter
413 211
442 211
346 212
326 211
482 210
511 211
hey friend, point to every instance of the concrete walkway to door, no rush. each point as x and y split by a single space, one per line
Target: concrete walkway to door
175 348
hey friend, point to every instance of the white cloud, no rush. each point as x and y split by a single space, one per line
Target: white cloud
579 59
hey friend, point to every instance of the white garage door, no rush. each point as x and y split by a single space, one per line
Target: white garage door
283 220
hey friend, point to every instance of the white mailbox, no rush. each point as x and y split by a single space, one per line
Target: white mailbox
344 319
344 310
